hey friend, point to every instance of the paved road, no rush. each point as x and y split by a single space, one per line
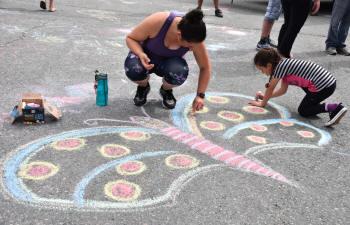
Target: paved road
120 164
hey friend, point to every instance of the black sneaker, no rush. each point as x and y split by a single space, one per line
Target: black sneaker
141 95
43 4
169 100
218 13
263 43
336 115
272 43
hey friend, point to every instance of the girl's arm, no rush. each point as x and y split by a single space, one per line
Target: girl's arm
148 28
281 91
268 93
201 55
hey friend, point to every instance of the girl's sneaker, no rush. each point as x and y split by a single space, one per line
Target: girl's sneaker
336 115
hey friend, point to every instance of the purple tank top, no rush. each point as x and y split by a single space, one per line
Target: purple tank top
155 46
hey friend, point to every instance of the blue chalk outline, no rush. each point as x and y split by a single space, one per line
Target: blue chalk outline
325 136
179 113
14 185
79 192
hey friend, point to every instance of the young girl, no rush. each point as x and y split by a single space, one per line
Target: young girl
316 81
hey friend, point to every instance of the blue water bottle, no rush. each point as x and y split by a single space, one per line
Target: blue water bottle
101 88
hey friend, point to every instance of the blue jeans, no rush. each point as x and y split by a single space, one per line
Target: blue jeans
339 25
174 70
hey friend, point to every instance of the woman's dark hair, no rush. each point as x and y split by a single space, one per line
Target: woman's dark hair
192 27
265 56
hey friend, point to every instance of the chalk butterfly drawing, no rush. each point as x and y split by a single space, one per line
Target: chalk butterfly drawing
145 162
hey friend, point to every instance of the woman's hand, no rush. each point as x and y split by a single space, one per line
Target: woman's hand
198 104
145 61
257 103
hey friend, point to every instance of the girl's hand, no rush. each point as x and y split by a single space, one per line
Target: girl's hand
198 104
257 103
145 61
259 95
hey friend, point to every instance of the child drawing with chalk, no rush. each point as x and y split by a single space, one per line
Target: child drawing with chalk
316 81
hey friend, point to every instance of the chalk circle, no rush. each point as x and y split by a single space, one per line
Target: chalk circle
135 135
218 99
212 125
286 123
231 116
70 144
37 170
204 110
306 134
131 168
181 161
122 190
114 150
254 109
257 139
258 128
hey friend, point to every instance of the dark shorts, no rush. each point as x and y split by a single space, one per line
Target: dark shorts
174 70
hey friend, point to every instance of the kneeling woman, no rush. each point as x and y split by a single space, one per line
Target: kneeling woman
157 45
315 80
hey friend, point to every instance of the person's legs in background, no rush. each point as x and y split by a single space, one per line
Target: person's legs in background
338 28
218 11
273 11
296 13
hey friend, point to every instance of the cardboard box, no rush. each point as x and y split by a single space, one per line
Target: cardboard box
29 113
33 98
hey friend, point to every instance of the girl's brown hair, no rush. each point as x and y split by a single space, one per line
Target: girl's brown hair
265 56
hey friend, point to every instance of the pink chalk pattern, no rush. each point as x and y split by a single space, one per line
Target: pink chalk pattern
306 134
114 150
122 190
212 125
135 135
181 161
70 144
255 110
38 170
231 116
131 168
256 139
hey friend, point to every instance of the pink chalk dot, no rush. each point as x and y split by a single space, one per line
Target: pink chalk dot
306 134
134 134
286 123
123 190
257 139
114 151
39 170
69 143
180 161
258 127
211 125
130 166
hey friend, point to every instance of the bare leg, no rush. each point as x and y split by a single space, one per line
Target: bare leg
142 83
167 86
200 3
216 4
266 28
52 6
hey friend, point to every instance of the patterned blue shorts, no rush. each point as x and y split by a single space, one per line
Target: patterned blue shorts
174 70
273 10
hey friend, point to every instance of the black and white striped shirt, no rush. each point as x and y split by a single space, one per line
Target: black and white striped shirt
304 74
